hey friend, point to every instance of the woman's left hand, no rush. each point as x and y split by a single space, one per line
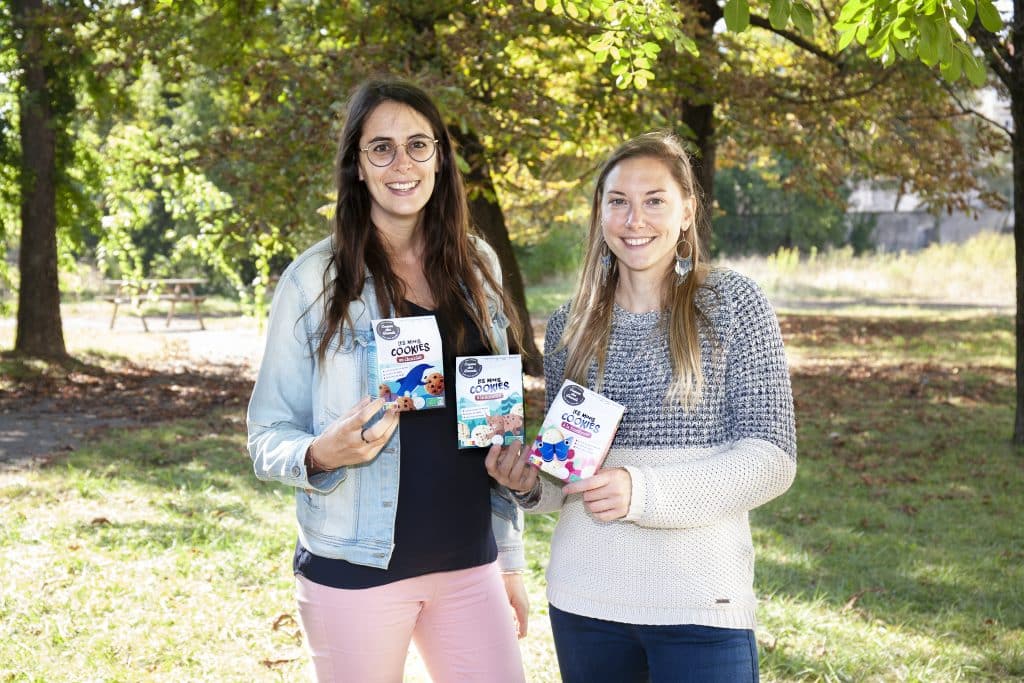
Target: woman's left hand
520 601
606 495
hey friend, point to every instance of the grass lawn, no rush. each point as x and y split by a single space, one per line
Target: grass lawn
898 555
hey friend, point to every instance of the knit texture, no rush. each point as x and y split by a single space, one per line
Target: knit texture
683 554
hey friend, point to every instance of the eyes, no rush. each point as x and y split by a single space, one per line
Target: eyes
384 147
650 202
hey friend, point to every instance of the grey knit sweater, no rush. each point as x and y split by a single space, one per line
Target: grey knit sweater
683 554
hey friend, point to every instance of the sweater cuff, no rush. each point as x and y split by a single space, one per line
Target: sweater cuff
638 494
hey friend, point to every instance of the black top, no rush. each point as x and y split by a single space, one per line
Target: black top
443 515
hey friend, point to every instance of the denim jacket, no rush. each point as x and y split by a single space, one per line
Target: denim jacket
348 513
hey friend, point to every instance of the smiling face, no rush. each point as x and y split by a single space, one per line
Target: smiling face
400 190
643 213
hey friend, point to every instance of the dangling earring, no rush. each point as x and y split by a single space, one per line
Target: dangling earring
684 265
606 262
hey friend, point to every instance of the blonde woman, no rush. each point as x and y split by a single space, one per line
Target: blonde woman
651 569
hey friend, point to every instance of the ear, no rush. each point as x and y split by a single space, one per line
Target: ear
689 212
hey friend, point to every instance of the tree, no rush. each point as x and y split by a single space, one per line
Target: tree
39 331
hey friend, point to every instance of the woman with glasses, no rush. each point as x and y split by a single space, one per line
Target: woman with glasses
651 570
401 536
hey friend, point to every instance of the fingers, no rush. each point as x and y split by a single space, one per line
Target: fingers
365 409
510 466
378 434
519 600
606 495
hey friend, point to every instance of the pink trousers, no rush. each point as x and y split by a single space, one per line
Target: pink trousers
461 622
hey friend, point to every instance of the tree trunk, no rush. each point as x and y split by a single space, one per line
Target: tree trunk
701 120
40 333
1016 88
699 116
487 215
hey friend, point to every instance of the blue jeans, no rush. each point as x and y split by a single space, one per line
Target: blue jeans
594 651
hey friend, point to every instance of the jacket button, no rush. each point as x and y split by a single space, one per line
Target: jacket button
296 471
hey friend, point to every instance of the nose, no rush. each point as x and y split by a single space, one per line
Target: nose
402 156
635 218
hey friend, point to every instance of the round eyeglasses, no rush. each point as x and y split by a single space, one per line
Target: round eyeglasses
383 152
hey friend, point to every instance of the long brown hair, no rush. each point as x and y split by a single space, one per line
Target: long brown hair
455 271
590 318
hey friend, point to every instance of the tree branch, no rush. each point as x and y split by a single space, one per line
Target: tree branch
971 110
995 52
796 39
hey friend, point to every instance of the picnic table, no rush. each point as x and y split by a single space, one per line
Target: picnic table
139 292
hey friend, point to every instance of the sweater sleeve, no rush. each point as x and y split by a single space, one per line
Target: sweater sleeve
759 461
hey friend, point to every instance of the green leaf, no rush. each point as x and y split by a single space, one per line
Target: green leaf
737 15
540 5
928 45
902 29
846 37
778 14
974 70
687 43
852 10
972 10
651 49
802 18
989 16
623 80
945 39
951 68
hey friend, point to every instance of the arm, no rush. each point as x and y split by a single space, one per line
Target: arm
759 462
280 415
280 418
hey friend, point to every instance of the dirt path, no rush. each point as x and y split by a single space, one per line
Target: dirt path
168 373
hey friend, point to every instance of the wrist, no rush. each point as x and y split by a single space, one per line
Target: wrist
314 466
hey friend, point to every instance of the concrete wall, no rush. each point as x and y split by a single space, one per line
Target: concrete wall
913 230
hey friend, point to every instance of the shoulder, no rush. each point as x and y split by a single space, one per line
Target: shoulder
728 296
732 284
487 253
309 266
558 319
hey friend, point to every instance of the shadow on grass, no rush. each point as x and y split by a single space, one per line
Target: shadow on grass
906 506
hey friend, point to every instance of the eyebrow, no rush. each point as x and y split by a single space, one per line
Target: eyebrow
384 138
649 192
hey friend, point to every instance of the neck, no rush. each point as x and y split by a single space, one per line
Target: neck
639 294
403 243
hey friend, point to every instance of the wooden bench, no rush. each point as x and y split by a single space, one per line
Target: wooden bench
139 292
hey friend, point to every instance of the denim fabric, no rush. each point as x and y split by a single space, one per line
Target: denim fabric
594 651
349 513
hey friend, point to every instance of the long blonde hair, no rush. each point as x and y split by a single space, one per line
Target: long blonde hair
588 328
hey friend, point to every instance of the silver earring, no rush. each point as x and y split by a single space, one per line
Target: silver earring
684 265
606 262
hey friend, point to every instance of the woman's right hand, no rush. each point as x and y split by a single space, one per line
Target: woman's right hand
510 466
347 442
